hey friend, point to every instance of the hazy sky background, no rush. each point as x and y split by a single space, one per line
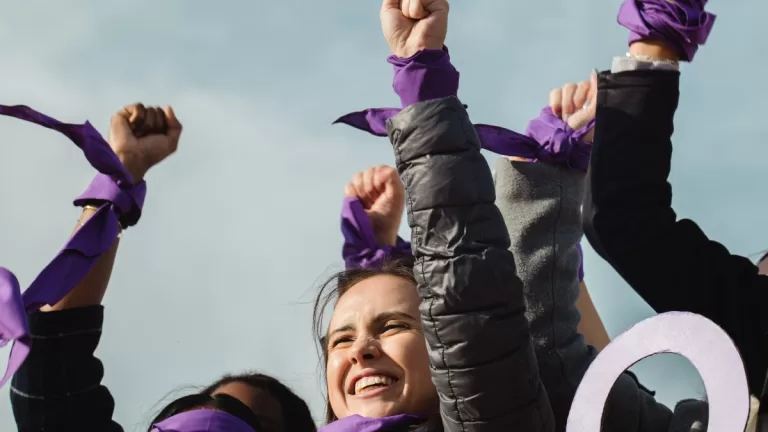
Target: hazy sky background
243 222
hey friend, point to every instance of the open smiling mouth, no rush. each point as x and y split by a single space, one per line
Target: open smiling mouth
371 383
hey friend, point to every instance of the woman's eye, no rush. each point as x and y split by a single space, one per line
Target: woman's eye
341 341
395 326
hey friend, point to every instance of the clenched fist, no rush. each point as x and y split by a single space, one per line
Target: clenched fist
413 25
383 197
142 137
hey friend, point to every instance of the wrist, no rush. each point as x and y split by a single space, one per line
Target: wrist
386 239
654 49
133 167
408 52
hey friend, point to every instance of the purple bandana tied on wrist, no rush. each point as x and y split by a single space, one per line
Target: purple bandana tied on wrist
357 423
202 420
548 139
360 248
684 24
121 201
430 75
426 75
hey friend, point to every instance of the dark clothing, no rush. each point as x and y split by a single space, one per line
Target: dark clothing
472 308
59 387
629 220
541 206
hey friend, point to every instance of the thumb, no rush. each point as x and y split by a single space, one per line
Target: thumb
414 9
120 127
174 126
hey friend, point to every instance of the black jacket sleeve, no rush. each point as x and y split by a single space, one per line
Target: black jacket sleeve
628 219
58 388
472 309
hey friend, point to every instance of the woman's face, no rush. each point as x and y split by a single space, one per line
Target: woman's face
260 401
377 356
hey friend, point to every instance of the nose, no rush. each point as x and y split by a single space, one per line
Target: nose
364 350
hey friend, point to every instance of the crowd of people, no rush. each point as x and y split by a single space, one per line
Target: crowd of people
483 321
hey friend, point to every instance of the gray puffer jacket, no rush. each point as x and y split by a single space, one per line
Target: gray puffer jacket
482 359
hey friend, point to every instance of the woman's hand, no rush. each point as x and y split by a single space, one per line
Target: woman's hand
383 197
576 104
410 26
142 137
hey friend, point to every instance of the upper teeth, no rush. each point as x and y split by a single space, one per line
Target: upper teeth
368 381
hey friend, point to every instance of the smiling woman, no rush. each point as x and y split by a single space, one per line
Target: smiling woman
376 362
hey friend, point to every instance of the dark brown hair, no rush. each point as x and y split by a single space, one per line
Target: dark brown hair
329 294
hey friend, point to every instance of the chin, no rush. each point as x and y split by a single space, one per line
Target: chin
380 409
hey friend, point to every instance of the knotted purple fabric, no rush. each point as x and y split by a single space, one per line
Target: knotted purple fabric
430 75
547 138
360 248
202 420
683 24
357 423
122 202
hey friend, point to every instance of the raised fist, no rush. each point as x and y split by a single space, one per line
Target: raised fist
142 137
383 197
413 25
576 104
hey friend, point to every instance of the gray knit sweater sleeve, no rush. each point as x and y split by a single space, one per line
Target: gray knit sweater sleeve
541 206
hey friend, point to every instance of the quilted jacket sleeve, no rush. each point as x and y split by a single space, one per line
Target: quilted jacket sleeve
482 359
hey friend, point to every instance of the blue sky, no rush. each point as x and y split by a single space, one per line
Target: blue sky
242 224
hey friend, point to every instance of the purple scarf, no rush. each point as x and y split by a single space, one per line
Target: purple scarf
202 420
684 24
547 138
122 203
360 249
357 423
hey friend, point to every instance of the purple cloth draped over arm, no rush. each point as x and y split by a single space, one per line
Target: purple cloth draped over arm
548 138
430 75
357 423
683 24
426 75
121 201
360 248
202 420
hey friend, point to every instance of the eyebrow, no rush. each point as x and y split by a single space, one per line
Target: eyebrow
384 316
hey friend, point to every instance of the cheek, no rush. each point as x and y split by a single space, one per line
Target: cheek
335 373
409 351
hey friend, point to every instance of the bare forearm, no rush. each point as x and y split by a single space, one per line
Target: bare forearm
90 291
591 326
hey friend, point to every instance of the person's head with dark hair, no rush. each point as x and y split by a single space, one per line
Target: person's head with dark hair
373 350
254 400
